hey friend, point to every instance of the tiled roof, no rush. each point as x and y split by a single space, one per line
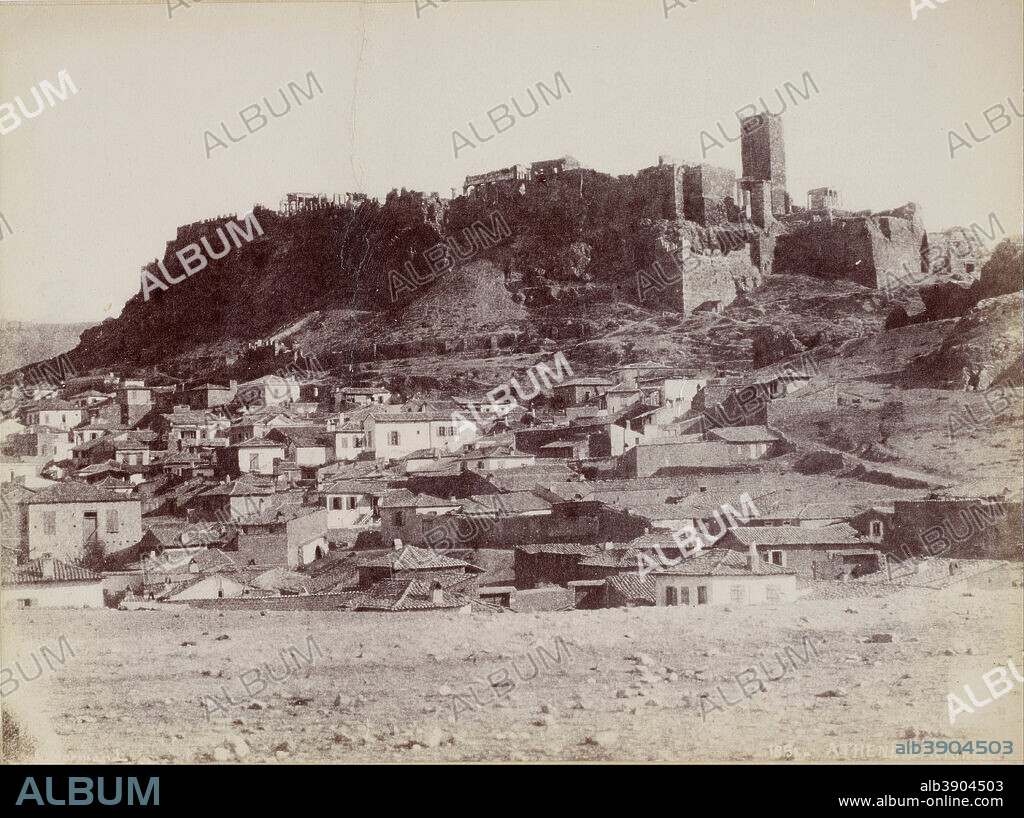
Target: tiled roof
630 587
721 562
102 468
344 485
566 489
32 572
55 405
617 558
584 382
493 451
245 486
403 498
305 436
72 492
526 477
412 417
191 417
260 442
362 390
841 534
411 595
816 511
90 393
109 482
431 454
411 558
516 502
656 511
125 444
559 548
281 511
101 424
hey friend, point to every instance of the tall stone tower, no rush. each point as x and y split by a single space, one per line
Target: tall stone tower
764 157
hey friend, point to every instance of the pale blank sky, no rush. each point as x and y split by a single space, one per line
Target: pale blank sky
95 186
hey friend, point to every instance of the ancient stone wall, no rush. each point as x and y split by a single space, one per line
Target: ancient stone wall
870 250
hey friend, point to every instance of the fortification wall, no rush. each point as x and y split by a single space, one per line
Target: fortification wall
868 250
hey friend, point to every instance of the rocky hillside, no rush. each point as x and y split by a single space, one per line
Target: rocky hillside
25 342
440 287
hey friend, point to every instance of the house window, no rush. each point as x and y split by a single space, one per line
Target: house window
442 431
357 443
350 503
393 438
399 518
113 524
702 594
254 462
336 504
343 443
684 596
772 593
775 557
876 528
670 596
737 593
49 522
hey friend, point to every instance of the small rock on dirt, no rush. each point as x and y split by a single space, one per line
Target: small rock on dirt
239 746
603 738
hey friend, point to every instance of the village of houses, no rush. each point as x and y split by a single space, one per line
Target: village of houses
639 487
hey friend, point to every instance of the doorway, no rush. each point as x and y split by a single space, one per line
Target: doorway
89 526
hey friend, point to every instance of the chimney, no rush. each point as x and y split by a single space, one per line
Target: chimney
608 546
436 594
398 544
48 566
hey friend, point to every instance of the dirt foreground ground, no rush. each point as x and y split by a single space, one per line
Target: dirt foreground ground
606 685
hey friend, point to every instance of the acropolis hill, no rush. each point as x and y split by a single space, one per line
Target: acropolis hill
530 256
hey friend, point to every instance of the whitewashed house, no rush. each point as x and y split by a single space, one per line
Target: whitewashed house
393 436
47 582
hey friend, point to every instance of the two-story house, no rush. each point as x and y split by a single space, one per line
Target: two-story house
69 519
393 436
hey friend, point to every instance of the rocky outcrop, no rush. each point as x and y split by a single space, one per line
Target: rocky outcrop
1003 273
771 344
946 300
983 346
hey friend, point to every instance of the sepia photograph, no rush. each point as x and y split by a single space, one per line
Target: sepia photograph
511 382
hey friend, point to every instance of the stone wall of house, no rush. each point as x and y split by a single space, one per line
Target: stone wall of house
68 541
644 461
569 522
